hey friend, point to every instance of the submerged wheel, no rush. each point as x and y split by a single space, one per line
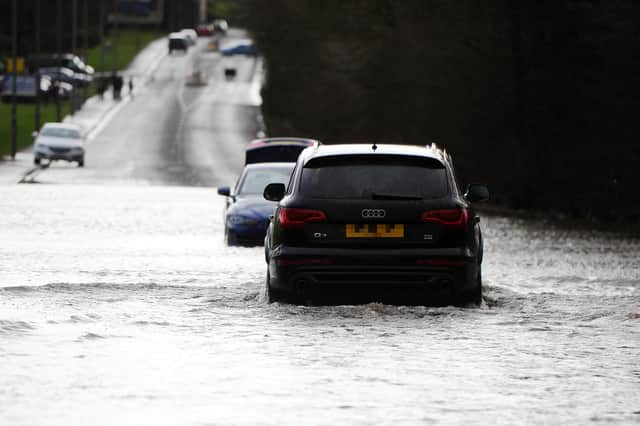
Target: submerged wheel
473 295
36 161
271 295
81 162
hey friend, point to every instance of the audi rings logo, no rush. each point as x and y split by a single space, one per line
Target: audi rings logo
373 213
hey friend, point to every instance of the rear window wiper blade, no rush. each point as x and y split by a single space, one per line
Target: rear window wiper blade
377 196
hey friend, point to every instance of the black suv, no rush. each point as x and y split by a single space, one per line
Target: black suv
374 223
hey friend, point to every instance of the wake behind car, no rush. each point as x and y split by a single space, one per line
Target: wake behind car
375 222
59 141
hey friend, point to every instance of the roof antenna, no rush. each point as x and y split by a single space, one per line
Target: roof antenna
374 147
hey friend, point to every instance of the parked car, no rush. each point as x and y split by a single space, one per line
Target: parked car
247 213
66 75
190 34
51 60
178 41
204 30
240 49
375 223
220 26
63 90
59 141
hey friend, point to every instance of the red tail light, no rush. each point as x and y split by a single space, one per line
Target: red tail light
297 218
454 218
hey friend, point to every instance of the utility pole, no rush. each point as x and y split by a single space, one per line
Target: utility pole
14 54
102 35
74 39
74 26
59 49
37 76
85 14
115 36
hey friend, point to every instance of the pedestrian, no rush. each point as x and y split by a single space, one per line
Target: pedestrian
116 80
101 86
131 87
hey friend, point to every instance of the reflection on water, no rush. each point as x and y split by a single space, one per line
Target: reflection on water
121 305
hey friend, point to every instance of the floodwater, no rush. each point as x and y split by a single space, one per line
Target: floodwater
121 305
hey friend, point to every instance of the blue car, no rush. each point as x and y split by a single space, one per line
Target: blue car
247 213
240 49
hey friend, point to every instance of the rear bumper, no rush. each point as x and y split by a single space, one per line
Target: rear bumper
390 272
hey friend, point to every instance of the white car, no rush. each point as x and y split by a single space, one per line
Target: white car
190 34
59 141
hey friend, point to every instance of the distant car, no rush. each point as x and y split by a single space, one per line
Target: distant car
247 213
178 41
240 49
375 222
62 90
66 75
204 30
59 141
190 34
220 26
197 78
66 60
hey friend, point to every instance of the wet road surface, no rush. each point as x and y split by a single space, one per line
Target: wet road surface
175 134
119 303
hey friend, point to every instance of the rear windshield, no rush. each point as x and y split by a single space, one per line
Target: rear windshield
374 177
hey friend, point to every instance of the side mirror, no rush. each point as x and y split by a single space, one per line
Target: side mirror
34 134
224 190
274 191
476 193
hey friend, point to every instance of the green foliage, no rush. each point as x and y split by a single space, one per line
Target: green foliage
223 8
537 99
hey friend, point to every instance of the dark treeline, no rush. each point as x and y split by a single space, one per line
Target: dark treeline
538 99
54 27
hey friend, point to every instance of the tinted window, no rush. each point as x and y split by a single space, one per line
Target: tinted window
255 180
370 177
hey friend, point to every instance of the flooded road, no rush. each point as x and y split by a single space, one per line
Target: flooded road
121 305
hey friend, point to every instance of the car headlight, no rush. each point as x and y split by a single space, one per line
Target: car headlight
41 147
240 220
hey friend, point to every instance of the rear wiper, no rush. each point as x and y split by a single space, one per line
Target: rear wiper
376 196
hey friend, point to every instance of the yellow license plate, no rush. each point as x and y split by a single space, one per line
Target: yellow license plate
371 230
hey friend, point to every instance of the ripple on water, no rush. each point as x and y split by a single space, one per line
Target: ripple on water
9 327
